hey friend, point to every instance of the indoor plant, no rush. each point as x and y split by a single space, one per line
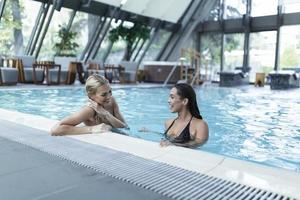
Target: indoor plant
129 35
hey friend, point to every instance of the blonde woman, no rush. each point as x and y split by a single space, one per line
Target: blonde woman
99 115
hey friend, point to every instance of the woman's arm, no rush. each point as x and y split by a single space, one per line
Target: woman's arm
68 125
115 122
118 115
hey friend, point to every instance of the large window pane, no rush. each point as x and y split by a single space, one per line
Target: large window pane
290 47
16 24
157 45
262 8
262 52
31 10
80 26
291 6
211 51
118 49
214 13
60 18
233 51
235 8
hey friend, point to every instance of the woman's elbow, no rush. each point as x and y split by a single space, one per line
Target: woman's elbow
121 125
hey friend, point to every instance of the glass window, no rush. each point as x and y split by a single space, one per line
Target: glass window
235 8
233 51
291 6
31 11
81 27
262 8
262 52
117 51
210 50
16 25
290 47
157 45
60 18
214 13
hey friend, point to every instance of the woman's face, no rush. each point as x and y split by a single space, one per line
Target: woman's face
103 94
175 101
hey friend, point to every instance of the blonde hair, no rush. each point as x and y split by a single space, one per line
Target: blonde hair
93 82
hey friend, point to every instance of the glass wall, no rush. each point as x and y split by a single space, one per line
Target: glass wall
235 8
290 47
81 27
16 25
210 50
118 49
214 13
59 19
233 51
157 44
262 8
291 6
262 52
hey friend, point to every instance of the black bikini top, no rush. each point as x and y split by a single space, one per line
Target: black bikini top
183 137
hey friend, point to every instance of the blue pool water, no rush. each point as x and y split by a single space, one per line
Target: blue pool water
253 124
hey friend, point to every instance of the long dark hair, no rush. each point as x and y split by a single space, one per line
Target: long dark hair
186 91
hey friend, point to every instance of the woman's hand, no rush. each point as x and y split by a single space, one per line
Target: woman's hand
101 128
164 143
102 112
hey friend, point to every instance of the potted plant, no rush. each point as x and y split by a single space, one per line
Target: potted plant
129 35
66 46
65 53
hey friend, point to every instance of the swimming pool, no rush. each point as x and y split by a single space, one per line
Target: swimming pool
253 124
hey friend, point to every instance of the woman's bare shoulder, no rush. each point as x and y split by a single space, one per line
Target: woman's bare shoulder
201 129
199 123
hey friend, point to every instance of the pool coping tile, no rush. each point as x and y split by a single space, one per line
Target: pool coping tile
269 178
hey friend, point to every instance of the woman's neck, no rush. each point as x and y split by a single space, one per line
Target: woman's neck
184 115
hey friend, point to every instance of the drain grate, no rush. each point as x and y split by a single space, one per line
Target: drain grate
167 180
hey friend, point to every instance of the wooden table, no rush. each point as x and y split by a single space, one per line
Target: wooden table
76 67
46 65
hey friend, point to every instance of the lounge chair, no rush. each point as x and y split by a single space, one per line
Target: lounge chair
8 75
95 67
26 70
235 77
66 73
47 66
129 72
284 79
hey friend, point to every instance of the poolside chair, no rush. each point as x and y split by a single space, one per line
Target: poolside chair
8 75
48 66
238 76
110 72
67 73
128 73
95 67
284 79
26 72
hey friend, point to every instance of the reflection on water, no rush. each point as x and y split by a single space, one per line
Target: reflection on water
254 124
